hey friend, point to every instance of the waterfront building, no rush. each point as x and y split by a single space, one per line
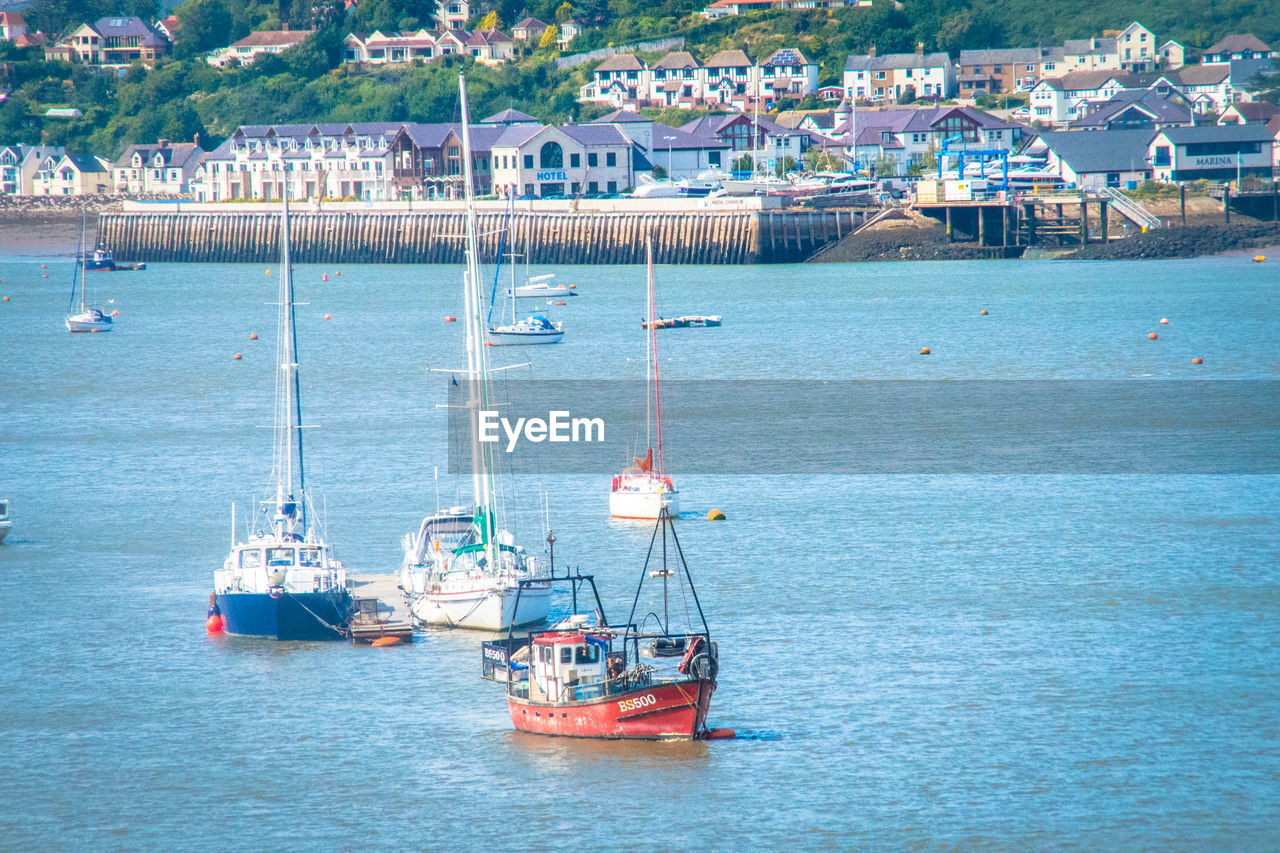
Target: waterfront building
902 137
766 142
165 168
1107 158
1212 152
542 161
1074 96
19 164
893 76
110 42
680 153
72 174
249 48
1138 108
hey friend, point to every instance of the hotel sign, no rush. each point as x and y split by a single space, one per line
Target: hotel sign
551 176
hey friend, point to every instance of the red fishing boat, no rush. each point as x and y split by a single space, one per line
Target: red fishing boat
584 677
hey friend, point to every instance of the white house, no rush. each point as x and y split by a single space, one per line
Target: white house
730 79
543 161
490 47
679 153
249 48
72 174
161 168
12 25
451 14
1136 47
1171 55
1106 158
1237 47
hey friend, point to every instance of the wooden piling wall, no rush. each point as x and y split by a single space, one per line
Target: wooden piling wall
716 237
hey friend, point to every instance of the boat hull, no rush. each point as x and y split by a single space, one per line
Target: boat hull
643 504
673 711
482 609
507 339
290 616
88 323
5 527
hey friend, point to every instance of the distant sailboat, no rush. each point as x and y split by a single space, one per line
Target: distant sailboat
643 489
87 318
284 583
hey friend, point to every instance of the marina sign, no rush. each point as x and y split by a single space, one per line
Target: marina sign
1221 160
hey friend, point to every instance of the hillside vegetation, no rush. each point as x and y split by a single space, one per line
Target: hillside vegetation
183 96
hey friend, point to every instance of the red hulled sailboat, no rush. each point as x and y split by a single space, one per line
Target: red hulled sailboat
584 677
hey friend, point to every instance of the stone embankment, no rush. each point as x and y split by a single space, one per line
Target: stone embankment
66 208
1190 242
910 237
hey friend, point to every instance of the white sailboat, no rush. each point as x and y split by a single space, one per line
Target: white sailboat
534 329
87 318
460 568
284 583
643 489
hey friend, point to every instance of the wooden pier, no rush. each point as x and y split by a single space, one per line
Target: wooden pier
381 613
372 237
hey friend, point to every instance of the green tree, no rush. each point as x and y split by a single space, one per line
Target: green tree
564 12
549 37
203 24
489 21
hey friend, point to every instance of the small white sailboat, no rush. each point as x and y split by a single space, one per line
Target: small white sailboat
534 329
87 318
284 583
538 287
461 568
643 489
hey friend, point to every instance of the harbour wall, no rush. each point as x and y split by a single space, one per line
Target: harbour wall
414 237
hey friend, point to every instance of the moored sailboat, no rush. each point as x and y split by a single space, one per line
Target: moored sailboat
284 583
643 489
461 568
87 318
636 680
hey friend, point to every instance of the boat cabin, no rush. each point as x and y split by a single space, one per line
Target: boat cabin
258 566
567 667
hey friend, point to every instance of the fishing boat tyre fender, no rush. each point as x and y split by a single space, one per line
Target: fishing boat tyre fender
700 662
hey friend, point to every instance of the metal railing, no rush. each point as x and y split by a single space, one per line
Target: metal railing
1130 209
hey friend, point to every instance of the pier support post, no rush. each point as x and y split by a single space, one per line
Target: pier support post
950 235
1004 225
1226 205
1182 201
1102 212
982 231
1084 220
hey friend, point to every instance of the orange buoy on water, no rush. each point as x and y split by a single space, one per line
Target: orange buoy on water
1152 336
562 303
488 343
46 275
253 337
324 277
268 272
215 623
926 351
451 319
236 356
983 312
1197 361
6 299
573 287
1257 259
93 331
42 266
337 273
715 515
1164 321
115 313
328 316
386 641
720 734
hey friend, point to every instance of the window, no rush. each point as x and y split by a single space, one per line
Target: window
587 654
566 654
575 188
309 557
250 559
528 161
1113 179
612 186
593 158
593 187
575 161
611 159
279 556
713 158
546 654
1162 156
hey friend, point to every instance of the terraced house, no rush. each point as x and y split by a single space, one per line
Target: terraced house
895 76
163 168
490 47
730 79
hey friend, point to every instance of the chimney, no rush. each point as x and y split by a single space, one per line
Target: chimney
164 143
284 28
919 48
872 52
196 139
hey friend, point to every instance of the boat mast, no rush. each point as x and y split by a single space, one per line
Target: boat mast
653 338
289 397
75 273
648 353
476 366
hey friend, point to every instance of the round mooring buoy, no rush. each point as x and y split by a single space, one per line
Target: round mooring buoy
1197 361
215 623
328 316
1152 336
926 351
324 277
1164 321
715 515
253 337
386 641
236 357
1257 259
983 312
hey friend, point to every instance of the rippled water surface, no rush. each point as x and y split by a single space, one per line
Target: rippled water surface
980 660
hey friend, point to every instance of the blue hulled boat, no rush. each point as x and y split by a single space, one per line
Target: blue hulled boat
283 582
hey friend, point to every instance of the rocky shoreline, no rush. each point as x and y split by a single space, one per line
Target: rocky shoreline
1188 242
66 208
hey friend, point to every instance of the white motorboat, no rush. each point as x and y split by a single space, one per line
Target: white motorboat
643 489
87 318
6 523
539 287
651 188
461 569
283 582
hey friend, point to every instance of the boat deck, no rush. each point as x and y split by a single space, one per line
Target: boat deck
388 618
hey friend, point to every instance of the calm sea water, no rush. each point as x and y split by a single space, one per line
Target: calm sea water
1072 660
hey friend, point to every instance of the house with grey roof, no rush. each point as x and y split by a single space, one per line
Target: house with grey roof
879 79
249 48
165 167
1249 112
899 138
19 164
1212 152
1235 47
679 153
72 174
578 159
1133 109
988 72
118 41
1106 158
